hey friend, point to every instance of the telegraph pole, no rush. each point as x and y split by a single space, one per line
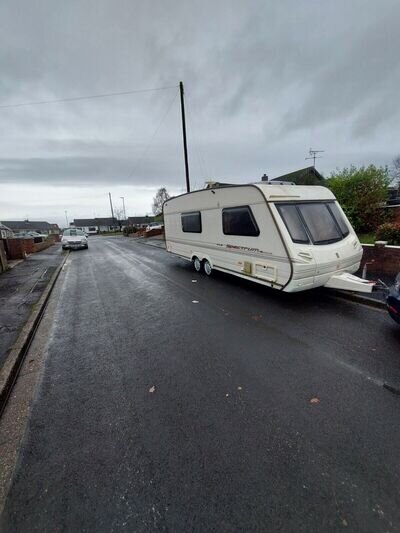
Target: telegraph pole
184 137
112 210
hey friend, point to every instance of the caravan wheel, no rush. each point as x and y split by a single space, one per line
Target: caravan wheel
207 267
197 264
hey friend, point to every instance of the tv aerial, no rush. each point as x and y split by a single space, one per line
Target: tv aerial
314 155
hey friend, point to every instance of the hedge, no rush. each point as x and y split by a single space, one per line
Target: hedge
389 232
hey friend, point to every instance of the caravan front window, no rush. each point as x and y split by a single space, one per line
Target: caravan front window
322 222
333 208
293 222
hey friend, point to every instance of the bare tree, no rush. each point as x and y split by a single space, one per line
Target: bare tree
161 196
119 216
396 171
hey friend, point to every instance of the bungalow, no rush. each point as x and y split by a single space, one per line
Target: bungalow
107 224
21 226
140 222
95 225
88 225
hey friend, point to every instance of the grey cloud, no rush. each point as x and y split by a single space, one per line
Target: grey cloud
84 170
263 80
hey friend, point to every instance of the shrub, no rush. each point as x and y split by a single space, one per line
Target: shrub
361 192
128 230
389 232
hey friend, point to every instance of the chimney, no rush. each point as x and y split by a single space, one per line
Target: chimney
264 178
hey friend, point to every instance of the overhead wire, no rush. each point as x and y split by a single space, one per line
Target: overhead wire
87 97
147 147
106 95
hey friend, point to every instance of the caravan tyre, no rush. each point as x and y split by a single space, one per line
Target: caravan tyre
207 267
197 264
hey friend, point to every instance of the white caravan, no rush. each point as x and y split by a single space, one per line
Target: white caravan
289 237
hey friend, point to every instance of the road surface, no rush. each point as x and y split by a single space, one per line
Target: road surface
170 401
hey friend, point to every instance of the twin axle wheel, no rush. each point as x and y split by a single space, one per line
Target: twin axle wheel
206 265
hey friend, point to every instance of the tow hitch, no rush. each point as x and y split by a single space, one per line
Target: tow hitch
349 282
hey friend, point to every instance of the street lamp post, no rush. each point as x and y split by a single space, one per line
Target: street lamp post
123 204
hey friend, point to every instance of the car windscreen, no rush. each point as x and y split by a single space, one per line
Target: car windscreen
316 222
73 233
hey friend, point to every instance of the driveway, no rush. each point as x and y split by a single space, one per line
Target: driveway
174 402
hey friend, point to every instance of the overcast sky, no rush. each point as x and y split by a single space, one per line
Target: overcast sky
265 81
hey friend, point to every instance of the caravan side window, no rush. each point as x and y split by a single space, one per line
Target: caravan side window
239 221
191 222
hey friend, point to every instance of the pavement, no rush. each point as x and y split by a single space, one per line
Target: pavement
169 401
157 241
20 290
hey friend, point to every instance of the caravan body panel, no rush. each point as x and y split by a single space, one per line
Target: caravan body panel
205 225
262 257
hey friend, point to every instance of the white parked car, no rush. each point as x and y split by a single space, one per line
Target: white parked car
74 239
155 225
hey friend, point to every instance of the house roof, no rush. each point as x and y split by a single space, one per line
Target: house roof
304 176
84 222
107 221
140 220
29 225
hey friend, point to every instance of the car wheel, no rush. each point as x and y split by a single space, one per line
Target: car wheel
197 264
207 267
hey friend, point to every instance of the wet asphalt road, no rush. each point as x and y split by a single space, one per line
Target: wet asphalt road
228 440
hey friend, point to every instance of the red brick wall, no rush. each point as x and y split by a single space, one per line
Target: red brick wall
28 245
383 259
16 248
20 248
39 246
153 232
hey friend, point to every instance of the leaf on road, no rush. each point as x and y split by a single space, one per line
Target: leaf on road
256 317
152 389
195 301
314 400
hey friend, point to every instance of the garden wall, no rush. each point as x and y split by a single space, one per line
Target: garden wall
20 248
381 259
